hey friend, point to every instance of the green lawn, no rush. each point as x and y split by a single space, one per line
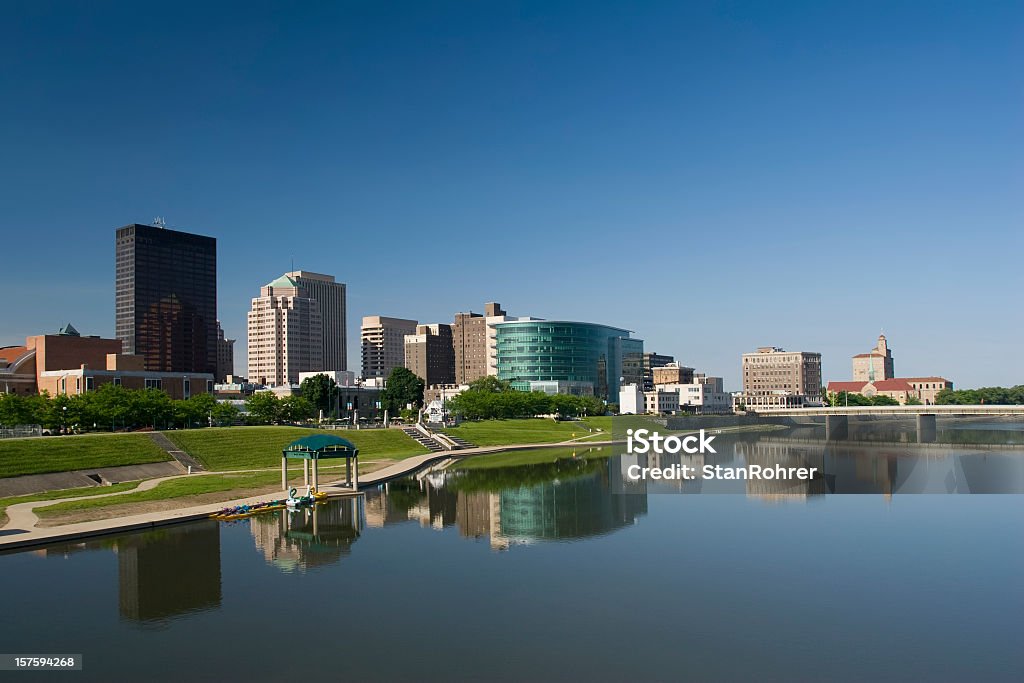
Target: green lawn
64 493
63 453
238 483
530 430
239 448
175 488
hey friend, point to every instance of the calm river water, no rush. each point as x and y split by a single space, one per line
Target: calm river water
530 566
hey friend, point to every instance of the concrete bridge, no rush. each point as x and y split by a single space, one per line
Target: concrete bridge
902 411
837 418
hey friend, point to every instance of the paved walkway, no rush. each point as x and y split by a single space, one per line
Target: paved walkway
21 530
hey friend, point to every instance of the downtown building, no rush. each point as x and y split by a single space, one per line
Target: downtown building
285 334
225 355
430 354
562 356
874 375
651 361
166 298
330 297
471 340
776 379
382 342
70 363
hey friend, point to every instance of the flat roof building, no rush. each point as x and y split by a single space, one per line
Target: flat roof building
382 341
430 355
774 378
651 361
166 298
470 340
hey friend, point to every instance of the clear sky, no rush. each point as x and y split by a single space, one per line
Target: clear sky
716 176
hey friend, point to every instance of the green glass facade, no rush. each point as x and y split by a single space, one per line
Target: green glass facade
553 350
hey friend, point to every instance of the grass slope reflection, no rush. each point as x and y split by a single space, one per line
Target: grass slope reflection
515 498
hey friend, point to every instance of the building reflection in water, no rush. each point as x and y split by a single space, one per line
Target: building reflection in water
768 455
171 571
569 498
309 537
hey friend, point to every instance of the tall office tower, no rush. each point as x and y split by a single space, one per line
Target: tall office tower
285 334
654 360
776 378
383 344
331 297
166 298
469 337
430 354
225 355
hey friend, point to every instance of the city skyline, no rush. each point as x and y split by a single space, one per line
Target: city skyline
835 172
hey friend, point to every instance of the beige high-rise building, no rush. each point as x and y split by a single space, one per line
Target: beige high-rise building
225 355
875 365
383 344
330 295
469 338
430 354
776 378
285 334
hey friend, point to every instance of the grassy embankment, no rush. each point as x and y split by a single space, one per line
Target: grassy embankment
229 450
242 448
233 449
64 453
530 430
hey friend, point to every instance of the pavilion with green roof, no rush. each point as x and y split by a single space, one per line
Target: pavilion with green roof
312 449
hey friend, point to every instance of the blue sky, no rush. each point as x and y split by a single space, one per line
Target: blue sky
714 176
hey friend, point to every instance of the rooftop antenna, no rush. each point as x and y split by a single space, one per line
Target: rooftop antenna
159 222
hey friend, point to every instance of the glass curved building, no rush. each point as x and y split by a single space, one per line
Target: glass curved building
553 351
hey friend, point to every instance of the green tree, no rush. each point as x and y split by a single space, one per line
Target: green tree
16 410
296 408
403 387
224 414
490 384
913 401
263 407
321 391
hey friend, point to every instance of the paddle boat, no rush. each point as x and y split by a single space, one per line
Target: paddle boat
312 496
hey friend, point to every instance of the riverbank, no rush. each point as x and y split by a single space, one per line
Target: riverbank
23 531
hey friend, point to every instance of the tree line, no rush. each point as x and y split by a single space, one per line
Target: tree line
846 398
984 396
493 398
113 407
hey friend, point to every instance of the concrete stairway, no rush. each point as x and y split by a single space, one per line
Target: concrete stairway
462 443
172 450
427 442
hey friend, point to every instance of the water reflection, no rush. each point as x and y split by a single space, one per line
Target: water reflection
309 537
570 498
161 574
169 572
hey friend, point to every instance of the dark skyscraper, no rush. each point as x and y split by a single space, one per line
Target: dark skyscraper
166 294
